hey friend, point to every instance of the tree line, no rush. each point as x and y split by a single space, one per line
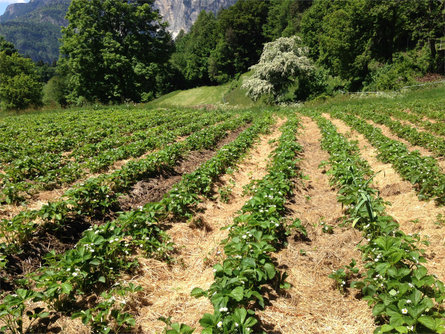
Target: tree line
116 51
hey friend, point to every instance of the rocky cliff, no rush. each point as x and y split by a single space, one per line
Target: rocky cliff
180 14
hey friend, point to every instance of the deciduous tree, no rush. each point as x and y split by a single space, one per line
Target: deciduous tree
282 63
19 82
113 50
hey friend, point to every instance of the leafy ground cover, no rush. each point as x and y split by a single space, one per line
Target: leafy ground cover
147 216
53 154
103 251
97 198
404 297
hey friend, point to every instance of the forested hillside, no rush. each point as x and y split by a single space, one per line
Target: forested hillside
34 27
288 50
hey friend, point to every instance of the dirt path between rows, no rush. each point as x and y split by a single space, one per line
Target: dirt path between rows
167 288
413 215
423 151
313 305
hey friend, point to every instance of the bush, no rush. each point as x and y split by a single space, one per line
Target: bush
403 70
19 84
55 92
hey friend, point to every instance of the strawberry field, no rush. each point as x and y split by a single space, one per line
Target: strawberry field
319 219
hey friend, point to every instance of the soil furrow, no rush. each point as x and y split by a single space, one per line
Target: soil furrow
167 287
416 217
313 305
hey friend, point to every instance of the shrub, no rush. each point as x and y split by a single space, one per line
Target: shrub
19 84
55 92
402 71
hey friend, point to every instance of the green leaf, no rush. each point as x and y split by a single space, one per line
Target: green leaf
238 293
386 328
43 315
66 288
102 279
401 329
420 272
198 292
95 262
416 296
270 270
250 322
428 322
392 292
378 309
208 320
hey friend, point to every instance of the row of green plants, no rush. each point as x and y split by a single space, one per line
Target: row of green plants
407 132
106 251
35 134
430 109
404 297
69 129
423 172
33 170
98 196
437 128
258 231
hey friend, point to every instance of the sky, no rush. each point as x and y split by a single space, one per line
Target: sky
5 3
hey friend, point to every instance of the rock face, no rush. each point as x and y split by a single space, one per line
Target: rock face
180 14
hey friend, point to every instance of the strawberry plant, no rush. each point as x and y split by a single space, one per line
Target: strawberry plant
404 297
105 251
98 196
423 172
256 233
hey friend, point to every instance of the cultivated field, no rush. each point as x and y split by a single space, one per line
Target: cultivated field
323 219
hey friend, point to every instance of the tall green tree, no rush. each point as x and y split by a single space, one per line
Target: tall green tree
241 39
113 50
194 48
19 82
6 46
284 17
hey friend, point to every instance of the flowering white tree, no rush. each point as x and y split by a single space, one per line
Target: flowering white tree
282 62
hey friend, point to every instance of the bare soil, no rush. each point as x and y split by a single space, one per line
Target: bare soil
65 237
154 189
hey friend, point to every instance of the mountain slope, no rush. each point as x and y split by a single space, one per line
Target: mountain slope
34 27
37 11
